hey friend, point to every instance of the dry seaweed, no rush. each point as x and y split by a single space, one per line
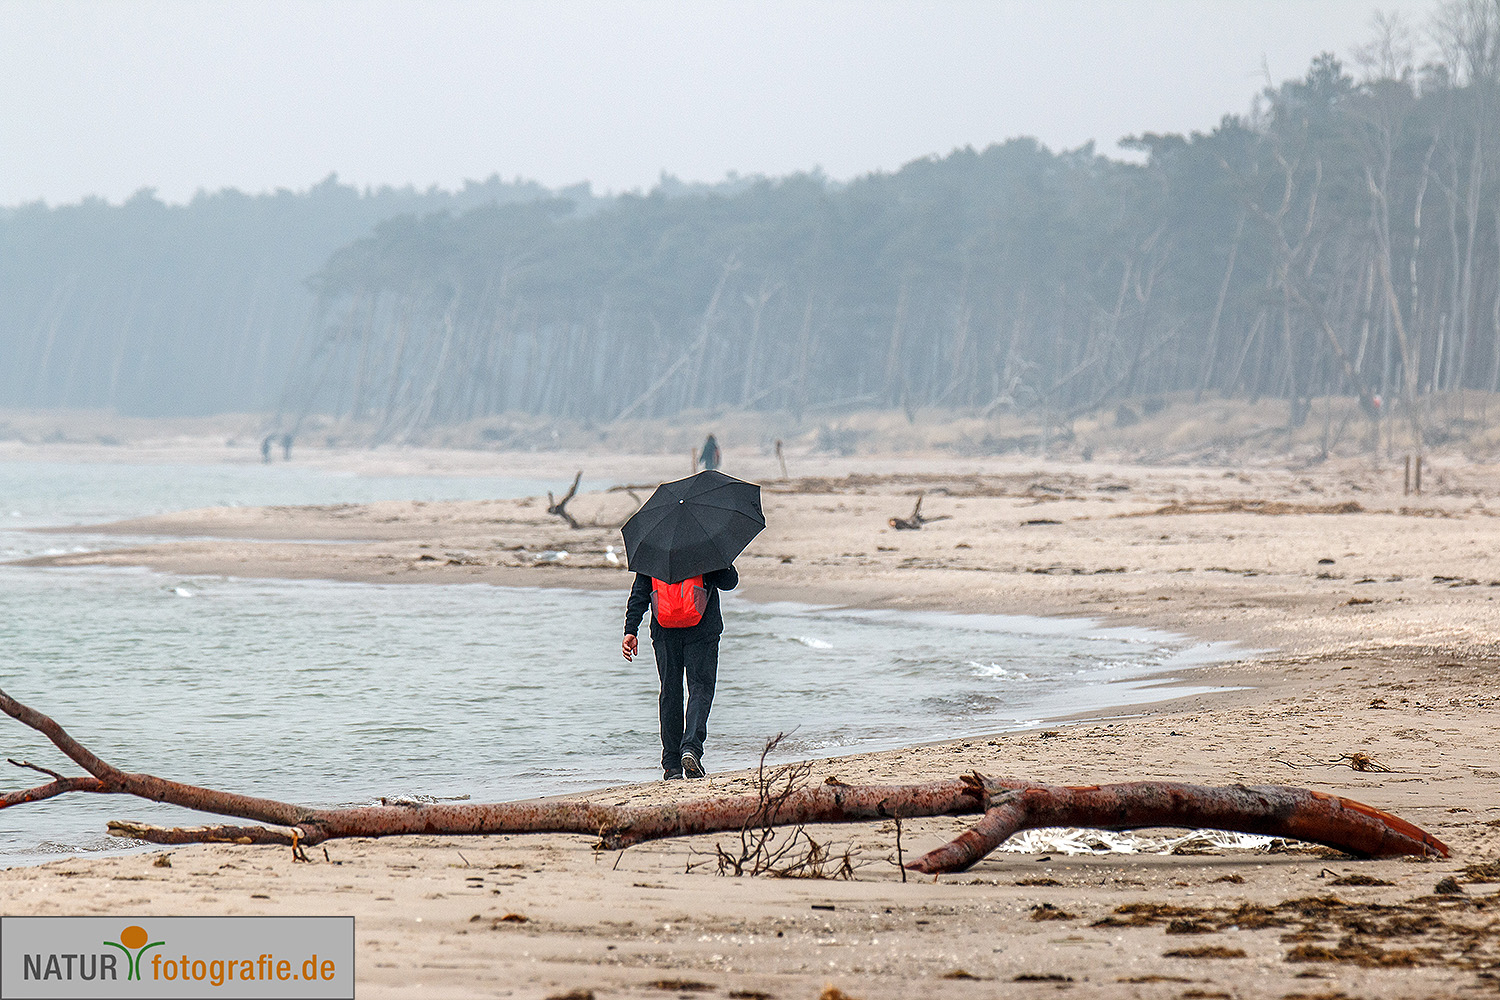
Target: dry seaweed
1359 880
1145 914
1190 927
1456 932
1046 911
1365 955
1206 951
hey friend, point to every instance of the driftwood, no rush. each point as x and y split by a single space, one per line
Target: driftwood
916 520
1007 805
560 507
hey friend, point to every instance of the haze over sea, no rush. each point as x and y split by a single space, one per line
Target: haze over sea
340 693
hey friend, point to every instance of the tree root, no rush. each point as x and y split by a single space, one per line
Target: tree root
1007 805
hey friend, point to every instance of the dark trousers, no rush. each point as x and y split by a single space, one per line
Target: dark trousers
696 660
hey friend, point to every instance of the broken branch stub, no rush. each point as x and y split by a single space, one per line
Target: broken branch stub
1008 806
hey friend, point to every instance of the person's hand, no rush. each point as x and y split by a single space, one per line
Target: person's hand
630 646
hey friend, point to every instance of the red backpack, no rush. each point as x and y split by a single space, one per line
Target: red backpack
679 605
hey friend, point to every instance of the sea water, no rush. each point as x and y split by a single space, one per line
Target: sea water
341 693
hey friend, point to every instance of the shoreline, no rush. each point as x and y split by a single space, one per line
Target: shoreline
1400 668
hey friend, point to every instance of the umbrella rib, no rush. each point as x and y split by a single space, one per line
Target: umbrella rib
713 537
733 508
646 525
716 487
709 534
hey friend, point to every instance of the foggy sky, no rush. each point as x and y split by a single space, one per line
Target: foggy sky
107 98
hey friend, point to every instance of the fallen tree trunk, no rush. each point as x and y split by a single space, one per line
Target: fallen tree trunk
1008 806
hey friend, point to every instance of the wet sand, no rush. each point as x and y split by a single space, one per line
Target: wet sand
1375 618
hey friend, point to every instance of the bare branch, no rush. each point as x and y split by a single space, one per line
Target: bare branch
34 767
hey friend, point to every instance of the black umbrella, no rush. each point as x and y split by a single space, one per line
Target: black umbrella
693 526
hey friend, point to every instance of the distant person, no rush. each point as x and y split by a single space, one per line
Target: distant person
265 449
711 456
286 447
688 653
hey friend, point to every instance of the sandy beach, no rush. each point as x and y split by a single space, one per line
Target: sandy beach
1367 622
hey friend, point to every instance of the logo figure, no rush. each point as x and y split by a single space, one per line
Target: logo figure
133 938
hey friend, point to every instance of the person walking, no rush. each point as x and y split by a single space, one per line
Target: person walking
682 545
684 653
711 456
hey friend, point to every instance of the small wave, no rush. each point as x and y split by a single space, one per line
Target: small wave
810 642
996 670
375 730
1071 840
417 799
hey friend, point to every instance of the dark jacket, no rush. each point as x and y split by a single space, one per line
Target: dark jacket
712 623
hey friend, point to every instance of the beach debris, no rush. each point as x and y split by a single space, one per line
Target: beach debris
1483 871
1360 761
767 847
560 507
1270 507
551 556
1448 886
682 985
1454 932
1008 806
1360 880
1206 951
1046 911
917 518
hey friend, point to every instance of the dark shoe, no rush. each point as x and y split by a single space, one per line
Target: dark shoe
671 776
691 767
